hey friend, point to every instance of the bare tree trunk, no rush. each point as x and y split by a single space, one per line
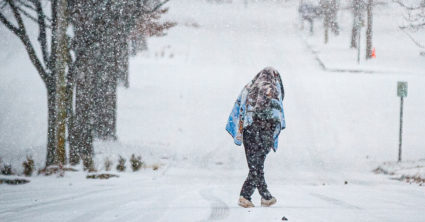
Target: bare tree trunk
122 57
73 153
114 68
356 21
354 34
326 11
73 134
121 50
326 26
83 121
60 66
51 129
106 90
369 31
86 52
334 17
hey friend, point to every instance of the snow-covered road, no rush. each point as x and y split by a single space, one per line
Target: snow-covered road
339 127
207 195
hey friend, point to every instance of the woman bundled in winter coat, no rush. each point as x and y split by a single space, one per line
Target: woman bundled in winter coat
256 120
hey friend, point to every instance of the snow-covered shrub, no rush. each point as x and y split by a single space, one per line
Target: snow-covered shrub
136 162
28 165
121 164
89 164
7 169
107 164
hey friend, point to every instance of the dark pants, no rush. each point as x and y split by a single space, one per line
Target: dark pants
257 140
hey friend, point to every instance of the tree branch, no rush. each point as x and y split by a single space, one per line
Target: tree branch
34 9
411 37
154 8
410 8
53 44
32 18
26 5
3 5
27 14
139 13
42 38
27 43
17 16
9 25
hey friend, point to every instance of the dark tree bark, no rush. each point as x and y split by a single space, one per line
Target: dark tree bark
369 31
326 11
83 73
82 127
105 95
59 9
122 55
117 18
357 21
70 89
83 121
51 129
333 17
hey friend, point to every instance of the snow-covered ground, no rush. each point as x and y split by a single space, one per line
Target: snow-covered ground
207 194
409 171
340 126
395 51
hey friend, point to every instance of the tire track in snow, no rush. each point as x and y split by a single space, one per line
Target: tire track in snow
50 202
335 201
219 209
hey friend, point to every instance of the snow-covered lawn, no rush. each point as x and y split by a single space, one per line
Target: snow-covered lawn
409 171
395 51
340 126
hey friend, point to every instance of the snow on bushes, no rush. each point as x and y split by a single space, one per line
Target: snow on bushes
28 165
408 171
136 162
107 164
121 164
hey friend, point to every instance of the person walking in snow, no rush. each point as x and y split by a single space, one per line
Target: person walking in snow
256 120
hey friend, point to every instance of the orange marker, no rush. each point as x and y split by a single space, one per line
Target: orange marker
373 53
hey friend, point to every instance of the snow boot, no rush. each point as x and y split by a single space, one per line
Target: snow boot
268 203
245 203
